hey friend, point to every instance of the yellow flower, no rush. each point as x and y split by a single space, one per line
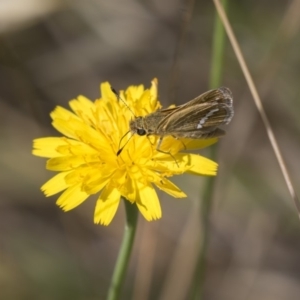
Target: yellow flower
87 162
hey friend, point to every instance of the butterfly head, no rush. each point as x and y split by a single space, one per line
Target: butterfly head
137 126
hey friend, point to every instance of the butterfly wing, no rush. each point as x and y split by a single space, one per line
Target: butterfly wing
201 116
218 95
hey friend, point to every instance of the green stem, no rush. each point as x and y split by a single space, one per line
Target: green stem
197 291
125 251
216 70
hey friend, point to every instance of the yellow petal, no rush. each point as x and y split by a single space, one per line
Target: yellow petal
55 185
198 165
62 113
133 93
67 127
192 144
153 88
129 189
170 188
98 142
106 206
71 197
87 135
149 175
66 163
97 178
78 148
106 92
173 145
148 202
84 108
78 175
46 147
139 149
58 146
143 106
168 165
78 130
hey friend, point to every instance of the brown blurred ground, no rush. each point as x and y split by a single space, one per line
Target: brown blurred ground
52 51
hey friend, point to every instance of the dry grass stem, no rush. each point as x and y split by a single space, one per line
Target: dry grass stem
258 102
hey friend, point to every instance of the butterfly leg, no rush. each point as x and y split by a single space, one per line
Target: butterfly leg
161 151
149 139
176 138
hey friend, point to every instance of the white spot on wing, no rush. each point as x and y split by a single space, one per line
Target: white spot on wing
203 120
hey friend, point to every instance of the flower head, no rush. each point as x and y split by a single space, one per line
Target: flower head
87 161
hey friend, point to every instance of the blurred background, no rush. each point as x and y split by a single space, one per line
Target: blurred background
52 51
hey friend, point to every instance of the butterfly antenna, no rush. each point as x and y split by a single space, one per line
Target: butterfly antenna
120 99
121 149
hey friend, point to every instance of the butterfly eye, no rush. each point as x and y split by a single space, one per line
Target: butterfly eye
141 131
